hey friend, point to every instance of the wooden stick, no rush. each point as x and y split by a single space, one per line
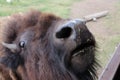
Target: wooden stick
95 16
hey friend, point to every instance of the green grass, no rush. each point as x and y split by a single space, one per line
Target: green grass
108 46
58 7
109 43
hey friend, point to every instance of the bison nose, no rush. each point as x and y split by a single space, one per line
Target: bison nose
67 30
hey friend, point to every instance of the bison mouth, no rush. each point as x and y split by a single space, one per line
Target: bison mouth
85 42
84 48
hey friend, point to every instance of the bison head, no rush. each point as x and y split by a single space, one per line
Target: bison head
40 46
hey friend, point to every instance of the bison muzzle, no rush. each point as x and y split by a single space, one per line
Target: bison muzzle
41 46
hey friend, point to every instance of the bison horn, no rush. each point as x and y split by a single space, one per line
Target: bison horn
10 46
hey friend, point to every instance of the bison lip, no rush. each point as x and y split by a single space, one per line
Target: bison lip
79 50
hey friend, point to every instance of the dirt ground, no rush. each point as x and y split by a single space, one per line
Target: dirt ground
86 7
99 28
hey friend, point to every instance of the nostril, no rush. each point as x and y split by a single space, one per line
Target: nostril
64 32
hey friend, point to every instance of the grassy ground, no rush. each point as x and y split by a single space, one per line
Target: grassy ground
59 7
109 44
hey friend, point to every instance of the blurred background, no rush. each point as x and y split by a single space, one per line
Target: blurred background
106 30
58 7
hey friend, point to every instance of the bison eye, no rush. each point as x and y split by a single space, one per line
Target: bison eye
22 44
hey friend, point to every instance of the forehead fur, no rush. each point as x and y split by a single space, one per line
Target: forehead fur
18 23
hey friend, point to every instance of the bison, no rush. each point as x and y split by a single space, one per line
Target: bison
42 46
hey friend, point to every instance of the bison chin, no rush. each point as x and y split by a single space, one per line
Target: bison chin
82 61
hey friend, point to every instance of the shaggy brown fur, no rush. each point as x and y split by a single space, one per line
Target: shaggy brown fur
41 57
